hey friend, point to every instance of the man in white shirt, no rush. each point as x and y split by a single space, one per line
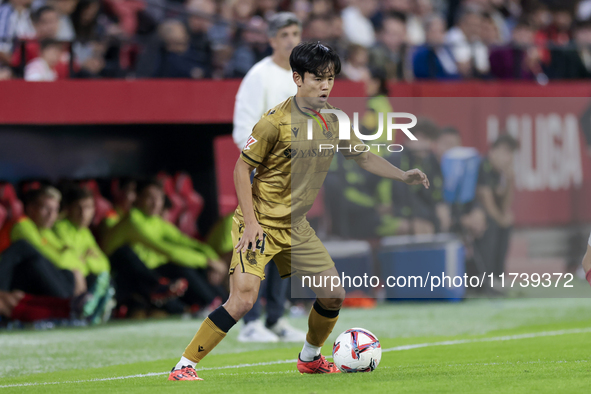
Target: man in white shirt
464 41
268 83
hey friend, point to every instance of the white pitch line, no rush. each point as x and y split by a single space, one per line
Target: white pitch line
392 349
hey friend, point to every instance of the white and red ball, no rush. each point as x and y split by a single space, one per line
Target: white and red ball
357 350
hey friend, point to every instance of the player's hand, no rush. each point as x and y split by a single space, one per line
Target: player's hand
252 233
416 177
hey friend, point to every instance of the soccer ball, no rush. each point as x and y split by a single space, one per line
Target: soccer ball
356 350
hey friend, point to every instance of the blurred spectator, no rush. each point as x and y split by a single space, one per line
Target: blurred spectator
267 8
491 36
389 52
520 59
435 60
252 47
64 8
46 22
355 67
200 21
301 9
95 50
573 62
318 28
322 7
43 68
356 22
15 22
337 39
495 194
465 42
425 209
178 59
131 16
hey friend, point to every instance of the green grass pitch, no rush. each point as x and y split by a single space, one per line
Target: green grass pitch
475 346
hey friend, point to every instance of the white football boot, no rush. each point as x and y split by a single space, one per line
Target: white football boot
255 331
286 332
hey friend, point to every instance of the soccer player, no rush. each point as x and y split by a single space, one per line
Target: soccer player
270 221
268 83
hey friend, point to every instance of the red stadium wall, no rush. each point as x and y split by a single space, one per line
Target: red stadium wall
192 102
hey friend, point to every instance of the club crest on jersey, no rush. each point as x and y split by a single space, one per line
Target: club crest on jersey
251 140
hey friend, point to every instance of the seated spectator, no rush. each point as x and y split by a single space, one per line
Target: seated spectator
355 67
64 8
435 60
164 249
465 42
389 52
520 59
318 28
573 62
490 34
425 209
495 191
96 50
253 46
178 59
200 21
357 24
15 22
46 22
74 233
43 68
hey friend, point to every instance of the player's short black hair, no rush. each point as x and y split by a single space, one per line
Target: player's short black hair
315 58
143 184
75 193
506 140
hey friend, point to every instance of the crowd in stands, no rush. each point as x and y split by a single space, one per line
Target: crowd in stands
46 40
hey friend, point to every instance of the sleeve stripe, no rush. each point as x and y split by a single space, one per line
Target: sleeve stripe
254 161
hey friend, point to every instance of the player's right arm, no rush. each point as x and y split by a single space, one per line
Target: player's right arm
264 136
252 229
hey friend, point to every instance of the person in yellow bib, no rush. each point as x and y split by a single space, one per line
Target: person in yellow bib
35 228
164 250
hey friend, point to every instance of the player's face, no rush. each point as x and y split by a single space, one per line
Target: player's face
285 40
151 201
81 212
44 212
315 89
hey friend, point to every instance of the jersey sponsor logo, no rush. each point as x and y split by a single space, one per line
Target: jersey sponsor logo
251 140
200 349
295 131
307 153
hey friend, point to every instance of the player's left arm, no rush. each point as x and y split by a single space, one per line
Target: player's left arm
381 167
